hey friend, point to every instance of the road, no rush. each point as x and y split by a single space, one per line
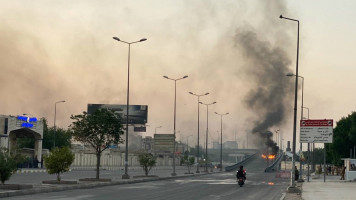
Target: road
259 185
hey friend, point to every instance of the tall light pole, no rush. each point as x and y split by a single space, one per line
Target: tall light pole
157 128
126 175
55 115
308 148
207 132
301 117
308 111
187 141
198 147
221 115
295 102
174 129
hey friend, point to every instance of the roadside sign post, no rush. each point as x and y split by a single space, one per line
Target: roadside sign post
317 131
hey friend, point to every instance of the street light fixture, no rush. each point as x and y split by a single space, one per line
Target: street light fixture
157 128
301 117
207 131
295 102
221 115
126 175
174 129
55 115
198 147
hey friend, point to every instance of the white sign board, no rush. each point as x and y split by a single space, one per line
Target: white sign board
316 131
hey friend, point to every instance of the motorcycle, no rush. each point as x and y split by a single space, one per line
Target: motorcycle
240 178
241 181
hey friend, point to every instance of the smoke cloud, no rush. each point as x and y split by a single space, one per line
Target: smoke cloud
266 66
53 51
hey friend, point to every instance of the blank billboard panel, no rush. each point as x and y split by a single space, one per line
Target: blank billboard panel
137 113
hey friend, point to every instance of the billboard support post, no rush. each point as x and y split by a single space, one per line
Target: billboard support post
324 162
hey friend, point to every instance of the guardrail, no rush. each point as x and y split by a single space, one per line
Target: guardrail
235 166
276 162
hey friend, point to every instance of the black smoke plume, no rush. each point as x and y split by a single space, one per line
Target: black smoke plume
266 69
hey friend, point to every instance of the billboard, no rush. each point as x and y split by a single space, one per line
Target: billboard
316 131
137 113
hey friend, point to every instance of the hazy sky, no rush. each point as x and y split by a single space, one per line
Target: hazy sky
63 50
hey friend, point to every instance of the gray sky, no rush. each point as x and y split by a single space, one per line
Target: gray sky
63 50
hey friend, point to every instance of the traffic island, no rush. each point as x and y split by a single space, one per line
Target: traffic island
59 182
15 187
95 179
148 176
293 190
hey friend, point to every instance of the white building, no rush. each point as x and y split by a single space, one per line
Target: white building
13 127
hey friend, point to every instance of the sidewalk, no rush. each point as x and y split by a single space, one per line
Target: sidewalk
333 188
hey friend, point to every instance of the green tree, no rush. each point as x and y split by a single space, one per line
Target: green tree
63 138
188 161
344 139
59 161
147 161
100 130
7 165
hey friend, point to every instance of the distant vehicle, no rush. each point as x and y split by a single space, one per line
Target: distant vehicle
218 166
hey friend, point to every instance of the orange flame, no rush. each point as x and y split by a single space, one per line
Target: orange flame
270 183
271 156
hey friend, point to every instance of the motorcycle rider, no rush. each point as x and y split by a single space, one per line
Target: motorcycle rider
241 173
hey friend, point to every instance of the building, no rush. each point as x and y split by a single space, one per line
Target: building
216 145
230 145
147 143
13 127
163 144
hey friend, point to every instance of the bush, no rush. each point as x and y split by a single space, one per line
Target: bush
147 161
59 161
7 166
188 161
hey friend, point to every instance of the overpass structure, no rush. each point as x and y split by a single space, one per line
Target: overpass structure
230 156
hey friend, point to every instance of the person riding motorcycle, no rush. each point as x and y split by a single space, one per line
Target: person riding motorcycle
241 173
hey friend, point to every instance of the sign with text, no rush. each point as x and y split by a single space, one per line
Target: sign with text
316 131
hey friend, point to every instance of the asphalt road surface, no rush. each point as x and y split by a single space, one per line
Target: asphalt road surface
259 185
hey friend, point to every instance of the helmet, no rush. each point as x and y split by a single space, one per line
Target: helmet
241 167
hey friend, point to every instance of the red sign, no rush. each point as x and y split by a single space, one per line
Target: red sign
323 122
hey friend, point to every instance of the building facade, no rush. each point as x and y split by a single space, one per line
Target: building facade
13 127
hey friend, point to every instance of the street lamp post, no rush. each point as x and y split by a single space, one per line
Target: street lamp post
187 141
308 149
308 111
157 128
174 128
126 175
221 115
198 95
55 115
295 102
207 132
301 117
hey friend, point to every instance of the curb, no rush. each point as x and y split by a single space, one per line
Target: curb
30 171
91 185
